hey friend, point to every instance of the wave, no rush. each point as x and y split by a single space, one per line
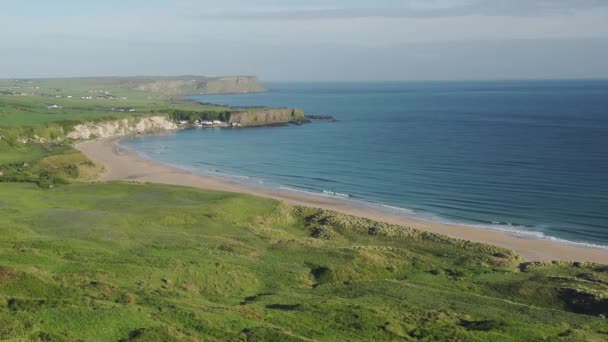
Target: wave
532 234
237 178
510 228
287 188
336 194
399 209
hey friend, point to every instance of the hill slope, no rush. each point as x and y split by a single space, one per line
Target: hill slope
159 263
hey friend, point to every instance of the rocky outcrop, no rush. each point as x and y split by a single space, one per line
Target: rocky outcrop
320 117
122 127
153 124
268 116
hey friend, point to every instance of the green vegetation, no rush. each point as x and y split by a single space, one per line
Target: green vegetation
149 262
45 164
191 116
144 262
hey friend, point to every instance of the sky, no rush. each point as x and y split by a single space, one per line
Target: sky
313 40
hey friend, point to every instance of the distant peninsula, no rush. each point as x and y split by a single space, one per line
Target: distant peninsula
196 85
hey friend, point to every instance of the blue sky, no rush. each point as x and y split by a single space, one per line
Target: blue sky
307 40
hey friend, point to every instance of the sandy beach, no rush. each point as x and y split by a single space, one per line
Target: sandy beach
122 164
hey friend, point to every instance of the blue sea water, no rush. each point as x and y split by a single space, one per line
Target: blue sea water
525 156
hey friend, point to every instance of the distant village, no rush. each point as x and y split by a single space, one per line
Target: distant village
208 124
28 89
91 95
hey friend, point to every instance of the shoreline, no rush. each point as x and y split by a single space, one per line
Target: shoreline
123 164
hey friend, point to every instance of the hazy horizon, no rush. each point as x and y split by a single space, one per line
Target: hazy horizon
270 81
337 40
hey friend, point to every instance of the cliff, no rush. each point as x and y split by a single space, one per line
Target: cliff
122 127
153 124
266 116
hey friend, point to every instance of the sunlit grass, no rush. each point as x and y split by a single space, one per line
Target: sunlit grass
153 262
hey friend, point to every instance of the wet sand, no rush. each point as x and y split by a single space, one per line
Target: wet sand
122 164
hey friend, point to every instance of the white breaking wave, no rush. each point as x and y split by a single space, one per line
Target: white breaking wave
509 228
299 190
335 194
406 210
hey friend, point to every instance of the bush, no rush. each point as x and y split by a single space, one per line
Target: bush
192 116
46 180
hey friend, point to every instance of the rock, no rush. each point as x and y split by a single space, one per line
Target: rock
584 301
321 117
123 127
266 116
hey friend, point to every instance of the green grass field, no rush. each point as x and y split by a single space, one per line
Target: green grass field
32 109
154 263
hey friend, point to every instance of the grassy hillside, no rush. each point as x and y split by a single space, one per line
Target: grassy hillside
80 101
160 263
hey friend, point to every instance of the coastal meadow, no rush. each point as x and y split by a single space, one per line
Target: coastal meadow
122 261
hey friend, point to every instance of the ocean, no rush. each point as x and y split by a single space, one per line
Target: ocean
526 157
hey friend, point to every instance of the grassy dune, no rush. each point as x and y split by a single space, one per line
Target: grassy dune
45 164
155 263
